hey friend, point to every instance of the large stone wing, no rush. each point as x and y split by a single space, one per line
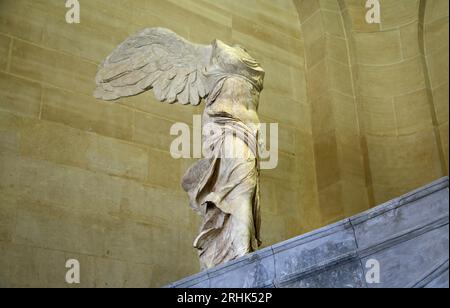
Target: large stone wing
155 58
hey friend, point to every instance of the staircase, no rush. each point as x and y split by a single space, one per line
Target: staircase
404 243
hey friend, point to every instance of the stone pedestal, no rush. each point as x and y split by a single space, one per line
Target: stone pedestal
408 237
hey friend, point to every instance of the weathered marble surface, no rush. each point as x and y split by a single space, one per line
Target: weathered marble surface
223 186
409 236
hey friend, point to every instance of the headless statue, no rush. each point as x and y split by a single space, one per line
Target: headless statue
223 187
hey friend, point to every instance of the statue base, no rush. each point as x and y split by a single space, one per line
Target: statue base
403 243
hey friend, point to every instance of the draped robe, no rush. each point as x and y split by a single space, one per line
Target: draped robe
224 187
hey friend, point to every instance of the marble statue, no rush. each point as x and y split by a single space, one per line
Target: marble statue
223 187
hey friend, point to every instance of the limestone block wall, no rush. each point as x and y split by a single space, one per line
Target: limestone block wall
90 180
378 97
404 146
362 111
433 40
338 152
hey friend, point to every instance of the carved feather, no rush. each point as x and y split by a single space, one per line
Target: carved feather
158 59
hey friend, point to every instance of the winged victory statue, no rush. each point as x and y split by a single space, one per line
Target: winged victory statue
223 188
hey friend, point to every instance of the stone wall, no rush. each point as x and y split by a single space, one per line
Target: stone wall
90 180
433 40
340 168
362 109
378 97
404 149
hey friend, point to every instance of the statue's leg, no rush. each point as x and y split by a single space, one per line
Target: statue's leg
243 224
228 229
229 236
241 171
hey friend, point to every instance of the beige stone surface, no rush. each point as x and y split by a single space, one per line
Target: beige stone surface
410 44
378 80
5 43
379 48
438 66
27 272
379 116
164 170
400 157
318 80
20 96
286 163
443 130
22 20
436 34
330 200
306 8
340 77
353 13
351 162
338 152
147 103
333 24
10 135
312 27
322 111
345 112
434 40
355 198
152 130
84 156
436 10
393 80
94 181
54 68
398 13
337 49
413 113
7 218
326 153
441 103
276 111
85 113
286 139
279 80
61 144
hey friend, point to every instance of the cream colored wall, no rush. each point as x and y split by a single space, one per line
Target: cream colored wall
338 153
433 40
378 99
398 114
363 114
90 180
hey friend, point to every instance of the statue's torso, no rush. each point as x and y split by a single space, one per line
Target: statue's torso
237 100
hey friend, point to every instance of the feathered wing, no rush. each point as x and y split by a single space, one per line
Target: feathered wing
155 58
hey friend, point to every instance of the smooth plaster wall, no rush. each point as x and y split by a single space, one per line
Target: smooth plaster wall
90 180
